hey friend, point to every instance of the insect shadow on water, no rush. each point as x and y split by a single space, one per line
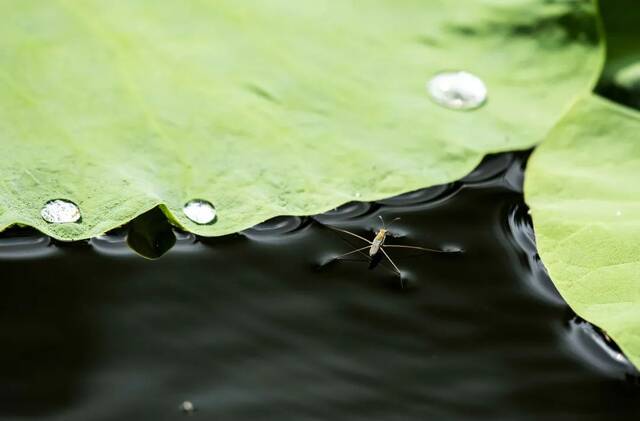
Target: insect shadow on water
376 247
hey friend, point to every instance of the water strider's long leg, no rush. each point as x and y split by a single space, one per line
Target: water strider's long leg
349 232
421 248
391 261
351 252
394 266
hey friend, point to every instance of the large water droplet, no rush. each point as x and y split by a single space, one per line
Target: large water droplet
60 211
457 90
200 211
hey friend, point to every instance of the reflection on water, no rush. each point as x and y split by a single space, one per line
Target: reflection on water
245 327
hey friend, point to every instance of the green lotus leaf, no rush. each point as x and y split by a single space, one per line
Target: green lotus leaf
583 188
267 107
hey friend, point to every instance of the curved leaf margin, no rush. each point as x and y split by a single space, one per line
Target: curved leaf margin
267 110
583 188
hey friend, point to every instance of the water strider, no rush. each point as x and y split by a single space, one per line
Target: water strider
378 245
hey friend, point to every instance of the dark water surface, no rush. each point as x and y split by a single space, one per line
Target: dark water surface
257 326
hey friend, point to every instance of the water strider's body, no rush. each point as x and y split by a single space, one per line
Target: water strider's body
378 241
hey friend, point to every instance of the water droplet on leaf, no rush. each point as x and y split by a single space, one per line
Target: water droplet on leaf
200 211
457 90
60 211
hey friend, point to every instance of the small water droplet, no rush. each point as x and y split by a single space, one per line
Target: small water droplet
200 211
60 211
187 407
619 213
457 90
